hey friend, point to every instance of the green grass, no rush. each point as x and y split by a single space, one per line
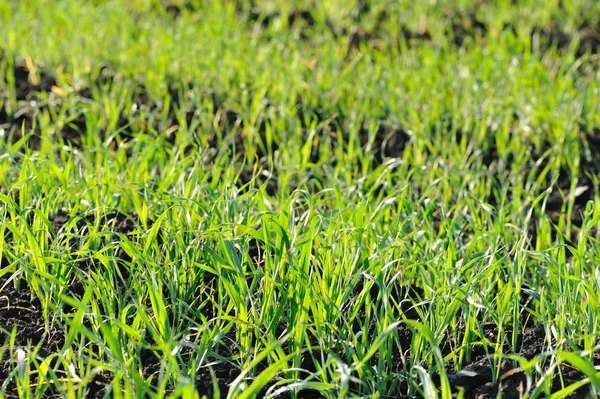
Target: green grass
496 128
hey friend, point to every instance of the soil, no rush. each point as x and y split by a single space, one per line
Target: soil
461 28
32 99
557 205
477 378
22 311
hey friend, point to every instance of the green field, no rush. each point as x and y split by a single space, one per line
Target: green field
306 199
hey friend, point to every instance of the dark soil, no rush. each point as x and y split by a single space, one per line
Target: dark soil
479 381
24 86
461 27
585 191
174 9
22 311
32 94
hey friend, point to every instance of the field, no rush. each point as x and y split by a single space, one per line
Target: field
333 199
